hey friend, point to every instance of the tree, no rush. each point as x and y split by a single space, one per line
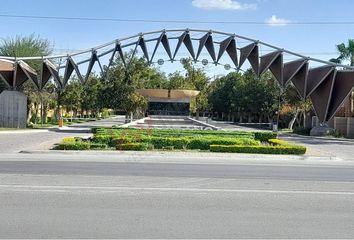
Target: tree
120 83
71 97
296 107
245 95
221 91
90 101
27 46
346 52
196 79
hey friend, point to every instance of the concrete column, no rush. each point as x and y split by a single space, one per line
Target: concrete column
13 109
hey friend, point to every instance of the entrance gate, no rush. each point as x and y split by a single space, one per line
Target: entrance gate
327 85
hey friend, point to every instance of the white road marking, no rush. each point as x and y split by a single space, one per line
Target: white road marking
58 188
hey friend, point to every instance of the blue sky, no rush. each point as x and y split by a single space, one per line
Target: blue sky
315 40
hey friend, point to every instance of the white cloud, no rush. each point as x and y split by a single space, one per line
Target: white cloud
222 5
274 21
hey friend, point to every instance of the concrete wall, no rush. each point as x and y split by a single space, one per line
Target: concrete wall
350 127
331 123
340 123
13 109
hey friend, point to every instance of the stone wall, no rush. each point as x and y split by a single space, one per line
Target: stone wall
13 109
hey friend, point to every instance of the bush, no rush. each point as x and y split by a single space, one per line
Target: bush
265 136
203 143
170 132
176 138
78 144
261 149
73 146
134 147
334 133
97 146
278 142
163 142
105 139
302 131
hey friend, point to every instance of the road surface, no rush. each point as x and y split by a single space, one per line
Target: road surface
104 196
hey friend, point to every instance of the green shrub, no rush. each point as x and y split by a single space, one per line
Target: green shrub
176 138
302 131
103 139
334 133
170 132
69 140
73 146
134 147
261 149
278 142
97 146
105 113
203 143
163 142
265 136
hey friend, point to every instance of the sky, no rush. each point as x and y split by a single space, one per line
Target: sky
284 23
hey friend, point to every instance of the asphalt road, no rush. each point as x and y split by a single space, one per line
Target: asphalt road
179 195
44 196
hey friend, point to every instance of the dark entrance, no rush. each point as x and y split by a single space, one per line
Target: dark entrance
168 108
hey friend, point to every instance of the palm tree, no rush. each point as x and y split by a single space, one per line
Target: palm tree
346 52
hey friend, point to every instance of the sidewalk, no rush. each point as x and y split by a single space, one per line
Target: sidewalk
26 130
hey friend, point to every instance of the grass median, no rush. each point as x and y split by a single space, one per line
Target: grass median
127 139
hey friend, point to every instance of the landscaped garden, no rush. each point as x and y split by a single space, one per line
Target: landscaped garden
176 139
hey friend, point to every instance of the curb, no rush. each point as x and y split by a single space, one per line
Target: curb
151 155
316 137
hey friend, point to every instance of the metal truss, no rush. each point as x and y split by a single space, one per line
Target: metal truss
327 86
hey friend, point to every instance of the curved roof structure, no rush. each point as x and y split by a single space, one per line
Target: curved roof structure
165 93
327 84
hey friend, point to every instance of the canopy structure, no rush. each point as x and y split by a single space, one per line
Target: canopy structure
168 102
168 94
326 84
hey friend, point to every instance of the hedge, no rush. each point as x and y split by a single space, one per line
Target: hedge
119 132
98 146
79 145
278 142
73 146
164 142
134 147
204 143
265 136
201 143
261 149
168 132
